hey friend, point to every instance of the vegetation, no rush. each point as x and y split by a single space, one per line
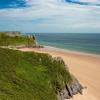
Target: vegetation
6 40
30 75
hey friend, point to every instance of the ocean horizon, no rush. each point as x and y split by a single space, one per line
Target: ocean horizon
88 43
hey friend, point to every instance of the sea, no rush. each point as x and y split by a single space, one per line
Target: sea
89 43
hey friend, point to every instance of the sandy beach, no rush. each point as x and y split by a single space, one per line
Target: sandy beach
86 67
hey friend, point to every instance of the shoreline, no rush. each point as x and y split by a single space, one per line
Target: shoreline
84 66
73 51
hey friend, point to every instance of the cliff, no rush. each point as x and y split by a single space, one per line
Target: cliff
16 39
34 76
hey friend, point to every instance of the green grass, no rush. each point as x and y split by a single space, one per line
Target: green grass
6 40
30 75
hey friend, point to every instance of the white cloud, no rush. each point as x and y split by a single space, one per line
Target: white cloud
52 12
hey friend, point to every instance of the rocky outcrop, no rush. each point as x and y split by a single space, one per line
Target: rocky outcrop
70 90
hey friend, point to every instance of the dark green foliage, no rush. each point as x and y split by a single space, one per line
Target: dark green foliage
30 75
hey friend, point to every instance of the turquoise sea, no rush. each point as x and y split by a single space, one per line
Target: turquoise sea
89 43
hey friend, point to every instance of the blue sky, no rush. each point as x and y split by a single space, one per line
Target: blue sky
12 4
50 16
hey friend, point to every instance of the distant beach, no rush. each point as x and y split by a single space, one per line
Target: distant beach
83 65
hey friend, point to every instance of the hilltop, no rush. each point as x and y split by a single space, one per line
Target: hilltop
16 38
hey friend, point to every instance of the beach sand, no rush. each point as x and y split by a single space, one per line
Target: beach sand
86 67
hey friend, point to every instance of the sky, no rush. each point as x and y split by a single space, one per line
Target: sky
50 16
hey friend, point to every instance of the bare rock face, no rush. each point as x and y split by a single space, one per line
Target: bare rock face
70 90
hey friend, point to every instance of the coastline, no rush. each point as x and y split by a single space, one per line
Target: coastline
83 65
73 51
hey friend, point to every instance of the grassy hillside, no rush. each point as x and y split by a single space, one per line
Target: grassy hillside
30 76
6 40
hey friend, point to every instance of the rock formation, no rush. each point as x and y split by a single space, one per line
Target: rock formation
70 90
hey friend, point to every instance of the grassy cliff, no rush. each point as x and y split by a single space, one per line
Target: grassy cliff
7 38
30 75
